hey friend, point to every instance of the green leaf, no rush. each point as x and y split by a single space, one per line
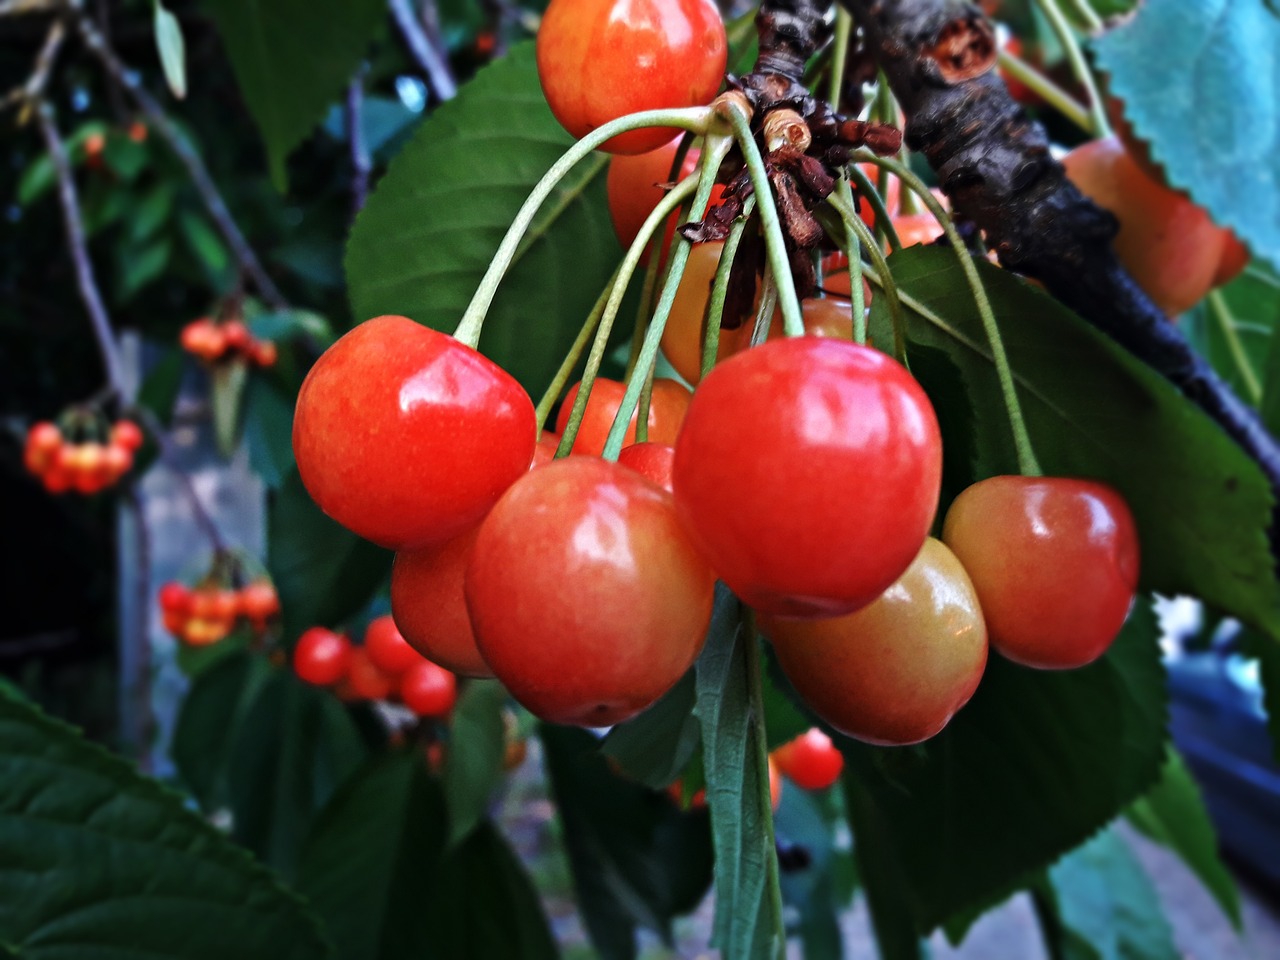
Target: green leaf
323 572
656 746
1198 79
473 765
172 49
636 859
159 391
373 859
291 59
268 431
207 247
746 918
280 325
152 211
1035 763
1106 906
430 228
1173 814
98 861
1202 507
227 396
142 264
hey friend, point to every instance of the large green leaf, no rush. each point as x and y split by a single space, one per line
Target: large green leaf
1198 79
1201 505
1173 814
97 861
371 862
1034 764
746 916
473 765
637 859
435 220
323 572
656 746
292 59
268 431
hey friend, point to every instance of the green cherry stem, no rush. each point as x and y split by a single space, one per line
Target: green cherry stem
666 206
1027 463
764 312
792 319
1093 23
1239 356
853 253
714 150
853 222
1079 66
1046 89
839 54
692 119
720 288
868 192
561 378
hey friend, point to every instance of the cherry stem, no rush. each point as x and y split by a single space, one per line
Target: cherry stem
645 309
1092 21
792 319
714 150
1099 125
1227 325
692 119
871 245
755 689
764 310
720 288
839 54
868 192
617 290
853 253
1046 89
1027 463
561 378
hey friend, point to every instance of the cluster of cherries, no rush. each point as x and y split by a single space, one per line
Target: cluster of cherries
214 341
202 615
810 761
87 466
384 667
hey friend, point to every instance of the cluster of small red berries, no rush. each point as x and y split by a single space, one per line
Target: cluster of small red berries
84 467
385 667
810 761
213 342
202 615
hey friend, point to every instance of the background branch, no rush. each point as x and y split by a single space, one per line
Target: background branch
423 51
361 162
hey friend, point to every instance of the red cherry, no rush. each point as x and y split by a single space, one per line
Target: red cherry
364 679
811 760
588 599
667 407
917 228
89 475
808 470
259 601
322 657
387 649
429 690
1054 561
408 437
896 671
429 607
236 335
127 434
650 460
1235 257
263 352
601 59
116 461
545 451
43 442
175 598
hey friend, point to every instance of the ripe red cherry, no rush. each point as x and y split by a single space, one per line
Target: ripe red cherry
811 760
388 650
1235 257
650 460
322 657
896 671
808 470
588 599
175 598
259 601
127 434
429 690
667 407
1054 561
364 679
406 436
430 609
601 59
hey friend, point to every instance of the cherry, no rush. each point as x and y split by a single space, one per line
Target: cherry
428 690
1054 561
808 470
651 460
322 657
406 436
198 632
917 228
88 475
364 679
811 760
258 601
601 59
667 407
264 353
698 801
236 335
896 671
588 599
545 451
1235 257
41 450
429 607
175 598
388 650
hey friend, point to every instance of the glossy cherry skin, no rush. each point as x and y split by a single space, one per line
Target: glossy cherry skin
406 436
811 760
896 671
388 650
667 406
588 598
651 460
1167 243
808 471
429 607
322 657
1055 563
1235 257
365 680
429 690
601 59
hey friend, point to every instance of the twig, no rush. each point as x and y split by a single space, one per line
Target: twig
188 156
135 683
361 163
170 459
89 293
423 51
16 8
32 91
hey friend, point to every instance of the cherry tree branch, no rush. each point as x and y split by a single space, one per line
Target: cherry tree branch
423 51
361 162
